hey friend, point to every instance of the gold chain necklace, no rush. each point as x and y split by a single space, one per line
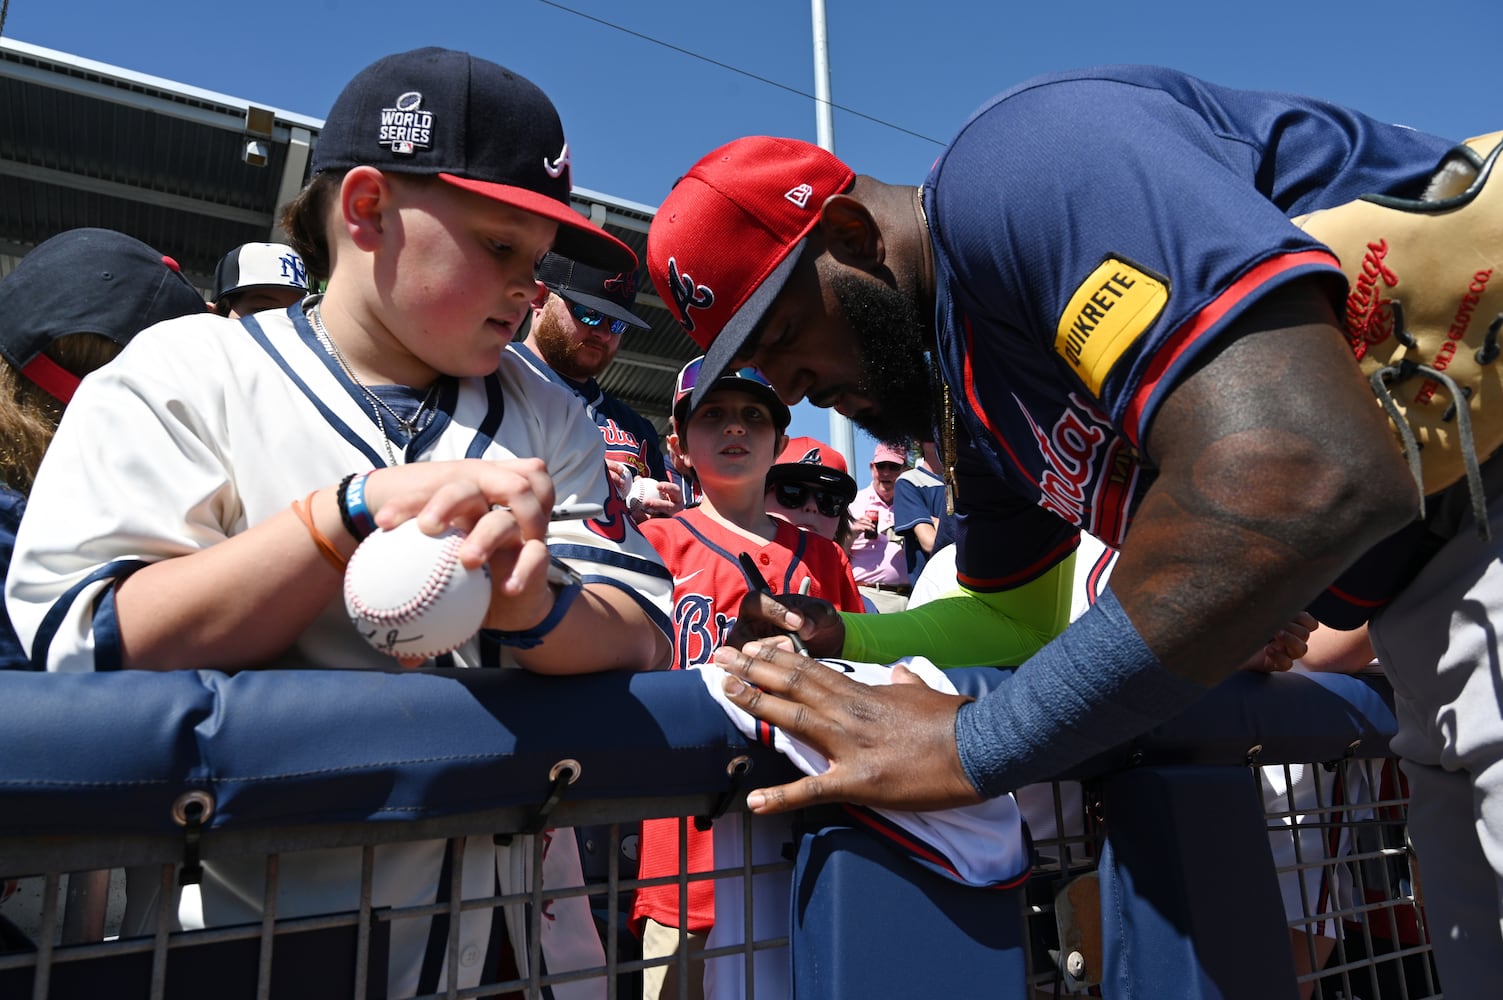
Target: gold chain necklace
948 447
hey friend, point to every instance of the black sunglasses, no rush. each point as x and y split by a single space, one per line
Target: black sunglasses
793 496
594 317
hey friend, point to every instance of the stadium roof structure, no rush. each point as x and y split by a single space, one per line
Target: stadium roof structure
196 173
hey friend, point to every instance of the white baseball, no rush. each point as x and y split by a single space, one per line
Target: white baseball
408 594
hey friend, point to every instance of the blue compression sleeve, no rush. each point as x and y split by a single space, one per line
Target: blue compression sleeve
1096 686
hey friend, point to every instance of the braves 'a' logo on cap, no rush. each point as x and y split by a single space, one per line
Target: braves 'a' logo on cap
558 164
811 457
687 294
405 128
624 284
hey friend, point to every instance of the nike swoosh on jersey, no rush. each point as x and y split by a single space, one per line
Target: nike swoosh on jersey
685 579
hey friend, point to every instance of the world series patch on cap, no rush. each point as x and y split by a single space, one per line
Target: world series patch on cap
476 125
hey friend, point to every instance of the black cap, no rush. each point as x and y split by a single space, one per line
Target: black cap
88 281
611 292
477 125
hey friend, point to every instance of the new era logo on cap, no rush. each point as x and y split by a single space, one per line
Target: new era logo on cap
759 195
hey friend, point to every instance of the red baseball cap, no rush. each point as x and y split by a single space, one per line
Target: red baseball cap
729 234
809 460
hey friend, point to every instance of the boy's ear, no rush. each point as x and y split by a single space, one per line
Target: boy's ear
364 195
677 455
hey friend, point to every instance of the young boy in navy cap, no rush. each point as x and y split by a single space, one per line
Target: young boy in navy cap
439 182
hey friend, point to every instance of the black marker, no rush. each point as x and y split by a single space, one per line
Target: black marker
757 584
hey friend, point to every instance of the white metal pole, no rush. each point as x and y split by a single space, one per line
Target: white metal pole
842 437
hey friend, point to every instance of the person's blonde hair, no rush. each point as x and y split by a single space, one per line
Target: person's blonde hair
29 414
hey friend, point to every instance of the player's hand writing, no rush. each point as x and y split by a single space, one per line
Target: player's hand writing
891 746
768 616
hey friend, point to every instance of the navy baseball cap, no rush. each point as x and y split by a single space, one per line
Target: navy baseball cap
86 281
476 125
610 292
692 382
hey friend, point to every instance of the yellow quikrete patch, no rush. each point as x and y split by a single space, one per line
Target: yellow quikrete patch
1106 315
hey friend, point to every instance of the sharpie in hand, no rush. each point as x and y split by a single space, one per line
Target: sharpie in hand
757 584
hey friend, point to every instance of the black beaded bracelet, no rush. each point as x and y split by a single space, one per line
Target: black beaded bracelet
344 510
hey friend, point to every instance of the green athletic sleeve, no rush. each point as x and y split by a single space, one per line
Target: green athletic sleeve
967 628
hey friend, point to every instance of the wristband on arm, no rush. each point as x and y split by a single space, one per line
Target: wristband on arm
1094 687
528 638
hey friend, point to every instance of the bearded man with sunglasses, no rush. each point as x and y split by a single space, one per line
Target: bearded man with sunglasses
577 322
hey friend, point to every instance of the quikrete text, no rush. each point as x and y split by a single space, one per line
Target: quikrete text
1094 311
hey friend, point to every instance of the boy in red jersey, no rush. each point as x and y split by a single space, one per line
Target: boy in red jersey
727 443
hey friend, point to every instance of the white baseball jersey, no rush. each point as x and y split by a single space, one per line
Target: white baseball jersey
981 845
205 426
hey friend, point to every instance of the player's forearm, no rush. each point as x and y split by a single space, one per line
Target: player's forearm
1277 471
239 603
604 629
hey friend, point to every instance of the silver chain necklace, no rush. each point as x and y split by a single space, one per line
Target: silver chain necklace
409 427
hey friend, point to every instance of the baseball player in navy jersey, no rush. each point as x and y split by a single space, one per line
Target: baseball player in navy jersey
198 507
577 328
1173 358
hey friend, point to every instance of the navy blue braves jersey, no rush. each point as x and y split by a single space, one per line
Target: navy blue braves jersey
630 438
1094 232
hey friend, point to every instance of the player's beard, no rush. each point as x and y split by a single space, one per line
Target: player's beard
892 338
562 355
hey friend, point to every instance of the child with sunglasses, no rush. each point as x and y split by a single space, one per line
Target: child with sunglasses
727 444
810 487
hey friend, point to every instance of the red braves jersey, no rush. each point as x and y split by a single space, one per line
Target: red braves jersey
708 586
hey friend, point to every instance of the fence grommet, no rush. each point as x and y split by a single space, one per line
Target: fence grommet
560 776
191 810
736 769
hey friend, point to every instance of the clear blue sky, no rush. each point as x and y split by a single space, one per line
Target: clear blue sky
639 113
